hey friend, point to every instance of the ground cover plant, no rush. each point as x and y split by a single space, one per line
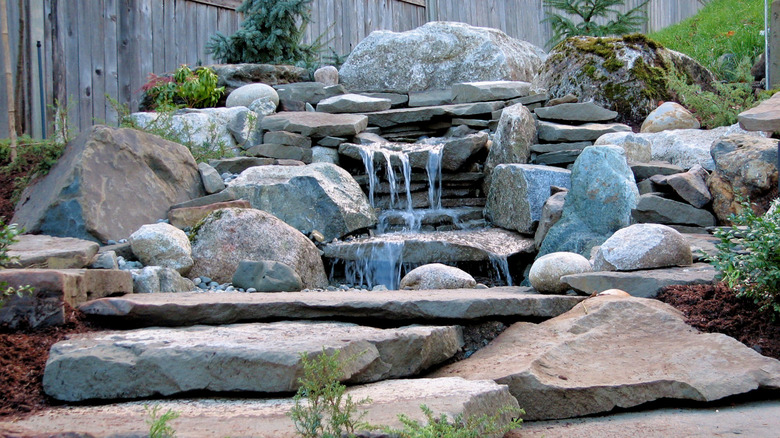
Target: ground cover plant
186 88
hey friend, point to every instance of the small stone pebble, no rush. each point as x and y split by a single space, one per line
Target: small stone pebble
251 289
122 240
163 221
230 289
213 285
205 279
197 281
111 242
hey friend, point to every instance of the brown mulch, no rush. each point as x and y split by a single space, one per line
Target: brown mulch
7 187
23 355
715 308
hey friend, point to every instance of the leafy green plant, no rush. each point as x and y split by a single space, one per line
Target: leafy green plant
8 235
441 426
321 407
185 88
719 108
272 33
158 422
748 255
588 11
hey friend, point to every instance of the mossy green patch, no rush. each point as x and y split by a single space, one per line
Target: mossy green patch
211 217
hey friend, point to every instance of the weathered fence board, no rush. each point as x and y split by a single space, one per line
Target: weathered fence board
94 48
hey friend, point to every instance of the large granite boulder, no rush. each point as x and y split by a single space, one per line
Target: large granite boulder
107 184
602 195
614 352
518 193
624 74
226 237
515 134
744 167
320 196
643 246
164 245
436 56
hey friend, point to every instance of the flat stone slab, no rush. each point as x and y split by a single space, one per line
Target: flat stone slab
49 252
352 103
267 418
316 124
610 352
240 357
440 246
489 90
225 308
576 112
764 117
556 132
645 284
401 116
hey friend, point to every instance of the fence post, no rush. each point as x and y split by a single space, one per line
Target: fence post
9 79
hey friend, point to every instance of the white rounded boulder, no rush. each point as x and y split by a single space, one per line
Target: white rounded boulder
437 276
643 246
163 245
546 272
670 115
244 96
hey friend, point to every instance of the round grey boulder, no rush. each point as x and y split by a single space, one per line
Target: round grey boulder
643 246
163 245
267 276
437 276
546 272
244 96
328 75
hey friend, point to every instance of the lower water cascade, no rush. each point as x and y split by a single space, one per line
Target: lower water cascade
380 259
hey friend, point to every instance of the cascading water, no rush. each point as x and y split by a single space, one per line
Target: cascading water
433 168
377 264
373 180
500 267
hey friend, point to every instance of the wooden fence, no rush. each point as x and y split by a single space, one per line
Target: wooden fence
94 48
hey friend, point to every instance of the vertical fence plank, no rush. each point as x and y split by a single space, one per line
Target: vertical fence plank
97 56
110 61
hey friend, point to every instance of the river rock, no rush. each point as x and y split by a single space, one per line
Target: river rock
515 133
557 132
159 279
437 276
291 193
225 237
48 252
638 149
352 103
107 184
643 246
670 115
744 166
585 112
327 75
245 95
254 357
489 90
314 124
622 74
551 214
657 210
164 245
436 56
266 276
602 195
611 352
546 271
518 193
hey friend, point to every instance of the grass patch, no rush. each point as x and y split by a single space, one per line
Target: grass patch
722 27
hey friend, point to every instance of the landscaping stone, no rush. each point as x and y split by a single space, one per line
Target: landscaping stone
233 76
657 210
281 152
212 182
396 99
254 357
602 195
615 352
307 92
763 117
287 138
561 158
518 193
487 91
668 116
391 306
108 183
744 166
239 164
515 133
437 276
159 279
436 56
430 98
189 216
230 235
556 132
327 75
551 214
569 98
314 124
105 260
264 418
48 252
546 271
352 103
646 284
164 245
205 128
586 112
643 171
638 149
52 288
691 186
263 106
245 95
266 276
290 192
400 116
321 154
559 147
643 246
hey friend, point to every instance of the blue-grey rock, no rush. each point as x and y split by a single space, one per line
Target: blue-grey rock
267 276
602 195
212 181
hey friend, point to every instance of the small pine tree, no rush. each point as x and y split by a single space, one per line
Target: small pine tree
270 34
589 10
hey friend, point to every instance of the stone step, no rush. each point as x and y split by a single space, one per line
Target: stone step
439 247
437 217
645 283
267 418
49 252
401 116
189 308
450 198
256 357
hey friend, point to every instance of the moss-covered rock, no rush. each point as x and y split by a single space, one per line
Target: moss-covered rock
627 74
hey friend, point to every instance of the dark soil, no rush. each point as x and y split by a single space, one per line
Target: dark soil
23 355
715 308
7 187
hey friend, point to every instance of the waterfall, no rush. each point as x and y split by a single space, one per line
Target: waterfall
373 179
433 169
500 266
377 264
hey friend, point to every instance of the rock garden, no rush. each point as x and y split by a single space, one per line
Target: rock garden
453 218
